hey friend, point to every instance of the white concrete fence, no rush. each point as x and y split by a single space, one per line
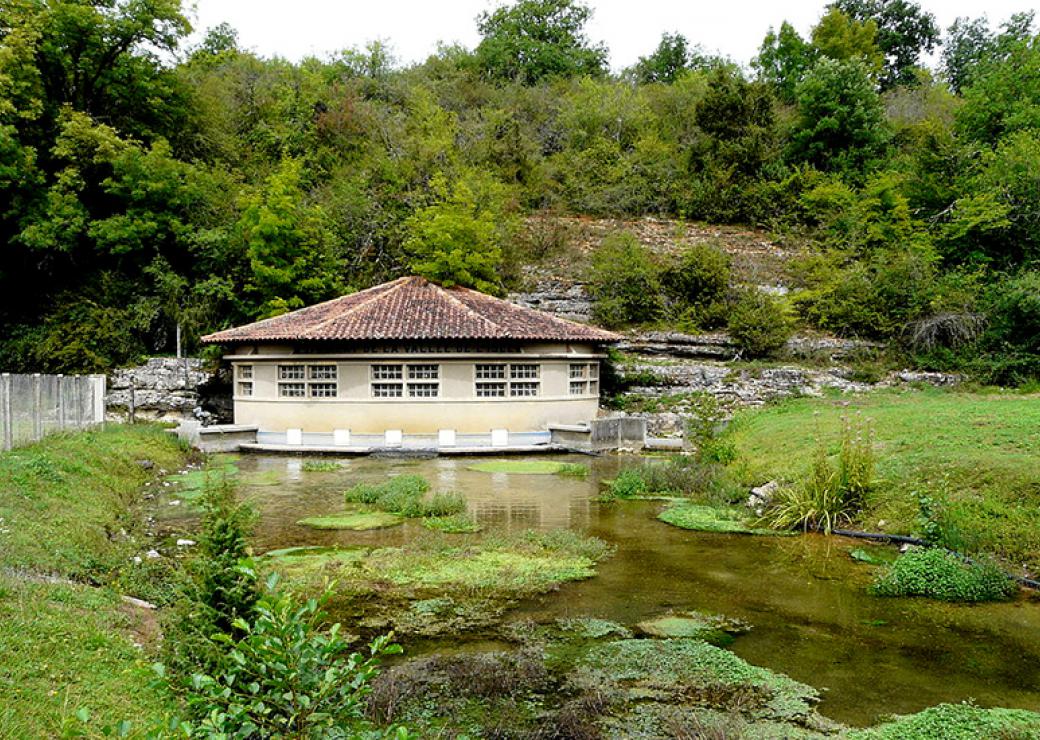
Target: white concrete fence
32 406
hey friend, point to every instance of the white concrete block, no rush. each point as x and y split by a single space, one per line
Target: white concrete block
499 437
393 437
341 437
446 438
294 436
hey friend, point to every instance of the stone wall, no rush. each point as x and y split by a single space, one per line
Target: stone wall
167 389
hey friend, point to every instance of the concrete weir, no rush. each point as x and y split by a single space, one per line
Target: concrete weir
599 435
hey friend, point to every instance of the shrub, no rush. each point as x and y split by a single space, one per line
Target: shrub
698 283
1013 336
939 574
759 324
285 676
221 587
629 483
444 504
625 282
705 430
830 494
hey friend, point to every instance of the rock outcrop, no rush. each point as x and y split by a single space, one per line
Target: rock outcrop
167 389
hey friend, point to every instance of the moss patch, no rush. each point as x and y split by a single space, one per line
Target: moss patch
530 467
380 587
703 518
454 524
955 722
717 630
354 520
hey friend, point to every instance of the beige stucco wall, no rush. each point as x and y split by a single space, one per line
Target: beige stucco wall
456 407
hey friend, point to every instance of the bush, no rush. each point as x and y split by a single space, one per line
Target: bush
759 324
221 587
625 282
1013 336
938 574
830 495
705 430
286 676
698 284
629 483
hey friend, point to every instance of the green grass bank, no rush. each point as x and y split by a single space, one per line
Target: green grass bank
975 455
70 524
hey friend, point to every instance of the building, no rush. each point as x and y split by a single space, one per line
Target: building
410 357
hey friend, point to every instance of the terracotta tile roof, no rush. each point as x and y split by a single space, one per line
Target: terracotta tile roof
412 308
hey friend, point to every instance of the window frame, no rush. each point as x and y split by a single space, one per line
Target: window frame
412 380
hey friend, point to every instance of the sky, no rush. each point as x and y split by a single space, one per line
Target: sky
630 28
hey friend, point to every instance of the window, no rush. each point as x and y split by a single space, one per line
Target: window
290 372
423 390
523 371
491 372
322 390
291 390
523 389
245 380
387 372
584 379
320 381
420 380
491 390
424 372
322 372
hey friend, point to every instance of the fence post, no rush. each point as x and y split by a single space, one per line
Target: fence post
37 408
98 387
7 415
131 408
61 402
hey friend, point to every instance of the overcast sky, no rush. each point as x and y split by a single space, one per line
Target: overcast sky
630 28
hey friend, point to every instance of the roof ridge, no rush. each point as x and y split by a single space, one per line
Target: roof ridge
468 309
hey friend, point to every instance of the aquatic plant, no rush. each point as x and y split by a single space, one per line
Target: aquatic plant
404 495
530 467
680 475
703 518
955 722
629 483
320 466
353 520
938 574
460 523
831 494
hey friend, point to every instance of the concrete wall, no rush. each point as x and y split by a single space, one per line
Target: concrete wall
456 406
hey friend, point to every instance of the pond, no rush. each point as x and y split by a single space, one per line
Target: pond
805 598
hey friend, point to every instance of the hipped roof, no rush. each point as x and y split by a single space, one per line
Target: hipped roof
412 308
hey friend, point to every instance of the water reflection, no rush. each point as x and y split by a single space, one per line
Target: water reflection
807 600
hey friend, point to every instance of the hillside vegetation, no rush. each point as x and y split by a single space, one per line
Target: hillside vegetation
148 183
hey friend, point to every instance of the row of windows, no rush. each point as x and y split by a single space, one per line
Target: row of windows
421 380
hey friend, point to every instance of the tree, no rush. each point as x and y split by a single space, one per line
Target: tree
673 56
457 240
904 32
841 122
970 46
535 40
625 282
287 246
783 59
1003 92
839 37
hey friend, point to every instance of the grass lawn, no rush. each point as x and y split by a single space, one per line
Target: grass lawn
69 509
979 452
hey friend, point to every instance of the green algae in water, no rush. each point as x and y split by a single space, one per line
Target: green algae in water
717 630
454 524
530 467
311 557
702 518
874 556
667 670
955 722
321 466
357 521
